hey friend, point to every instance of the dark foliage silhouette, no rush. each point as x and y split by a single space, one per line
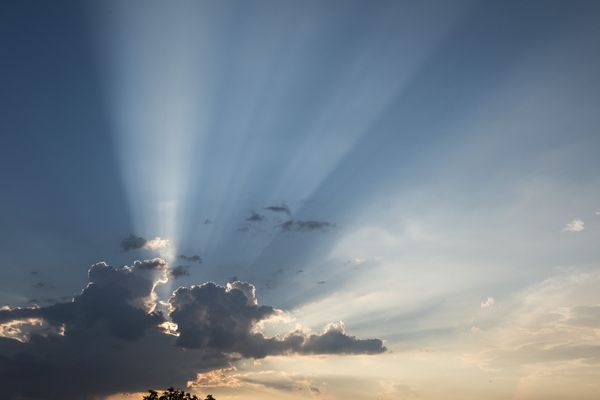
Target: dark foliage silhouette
174 394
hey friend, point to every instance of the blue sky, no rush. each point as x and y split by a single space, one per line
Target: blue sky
431 169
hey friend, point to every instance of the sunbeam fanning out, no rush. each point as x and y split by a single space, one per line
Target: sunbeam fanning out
155 100
277 199
200 106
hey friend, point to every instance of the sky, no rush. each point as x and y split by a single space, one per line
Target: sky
300 199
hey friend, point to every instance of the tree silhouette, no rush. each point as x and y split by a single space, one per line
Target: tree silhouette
174 394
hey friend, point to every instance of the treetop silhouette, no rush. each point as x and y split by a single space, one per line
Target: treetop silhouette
174 394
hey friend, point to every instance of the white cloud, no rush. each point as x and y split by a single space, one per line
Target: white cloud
157 243
488 303
552 324
576 225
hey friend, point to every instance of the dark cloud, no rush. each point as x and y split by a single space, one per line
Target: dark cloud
279 209
179 271
92 365
207 222
101 342
335 341
193 258
321 282
132 242
110 338
304 226
114 297
255 217
230 312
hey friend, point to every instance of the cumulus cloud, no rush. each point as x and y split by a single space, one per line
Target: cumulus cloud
576 225
119 298
228 315
104 340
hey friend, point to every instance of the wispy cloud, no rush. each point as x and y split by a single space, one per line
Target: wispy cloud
279 209
255 217
192 258
305 226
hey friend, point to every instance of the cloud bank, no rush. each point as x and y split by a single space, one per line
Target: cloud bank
113 337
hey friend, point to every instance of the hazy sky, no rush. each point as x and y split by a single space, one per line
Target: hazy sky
394 199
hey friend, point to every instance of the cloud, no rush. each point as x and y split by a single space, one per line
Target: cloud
585 316
247 380
222 377
334 340
279 209
179 271
121 299
305 226
193 258
157 244
576 225
255 217
112 337
133 242
548 326
229 314
488 303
